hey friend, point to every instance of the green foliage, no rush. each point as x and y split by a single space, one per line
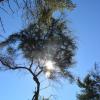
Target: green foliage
48 7
45 39
41 42
33 9
90 87
43 9
56 4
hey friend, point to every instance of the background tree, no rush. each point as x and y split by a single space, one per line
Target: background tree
90 87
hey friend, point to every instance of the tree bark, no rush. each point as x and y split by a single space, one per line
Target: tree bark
36 94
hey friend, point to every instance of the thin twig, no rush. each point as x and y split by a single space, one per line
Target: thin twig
31 64
26 5
10 6
16 2
2 24
45 87
4 10
39 72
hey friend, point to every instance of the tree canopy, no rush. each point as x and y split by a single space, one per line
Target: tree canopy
90 87
32 9
45 47
40 43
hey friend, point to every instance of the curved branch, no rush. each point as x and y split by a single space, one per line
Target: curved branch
35 78
11 39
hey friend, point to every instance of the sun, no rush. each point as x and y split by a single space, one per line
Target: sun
49 65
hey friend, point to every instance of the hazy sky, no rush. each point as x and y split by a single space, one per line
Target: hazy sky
85 23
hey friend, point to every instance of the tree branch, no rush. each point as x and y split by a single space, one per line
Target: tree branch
1 0
2 24
35 78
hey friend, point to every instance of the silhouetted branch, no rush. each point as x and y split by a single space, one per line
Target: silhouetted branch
2 0
10 66
2 24
39 73
31 64
8 2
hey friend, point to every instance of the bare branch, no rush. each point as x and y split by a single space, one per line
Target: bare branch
4 10
10 6
11 66
35 69
2 24
16 2
39 72
31 64
45 87
41 69
26 5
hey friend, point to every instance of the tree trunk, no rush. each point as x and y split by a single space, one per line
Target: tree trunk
36 94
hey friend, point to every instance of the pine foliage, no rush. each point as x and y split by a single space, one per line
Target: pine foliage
90 87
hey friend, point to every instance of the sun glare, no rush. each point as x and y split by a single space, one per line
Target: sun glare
49 65
48 74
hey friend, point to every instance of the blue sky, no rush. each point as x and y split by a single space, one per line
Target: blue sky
85 24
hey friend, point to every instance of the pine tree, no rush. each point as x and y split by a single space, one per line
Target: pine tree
44 47
90 87
47 50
